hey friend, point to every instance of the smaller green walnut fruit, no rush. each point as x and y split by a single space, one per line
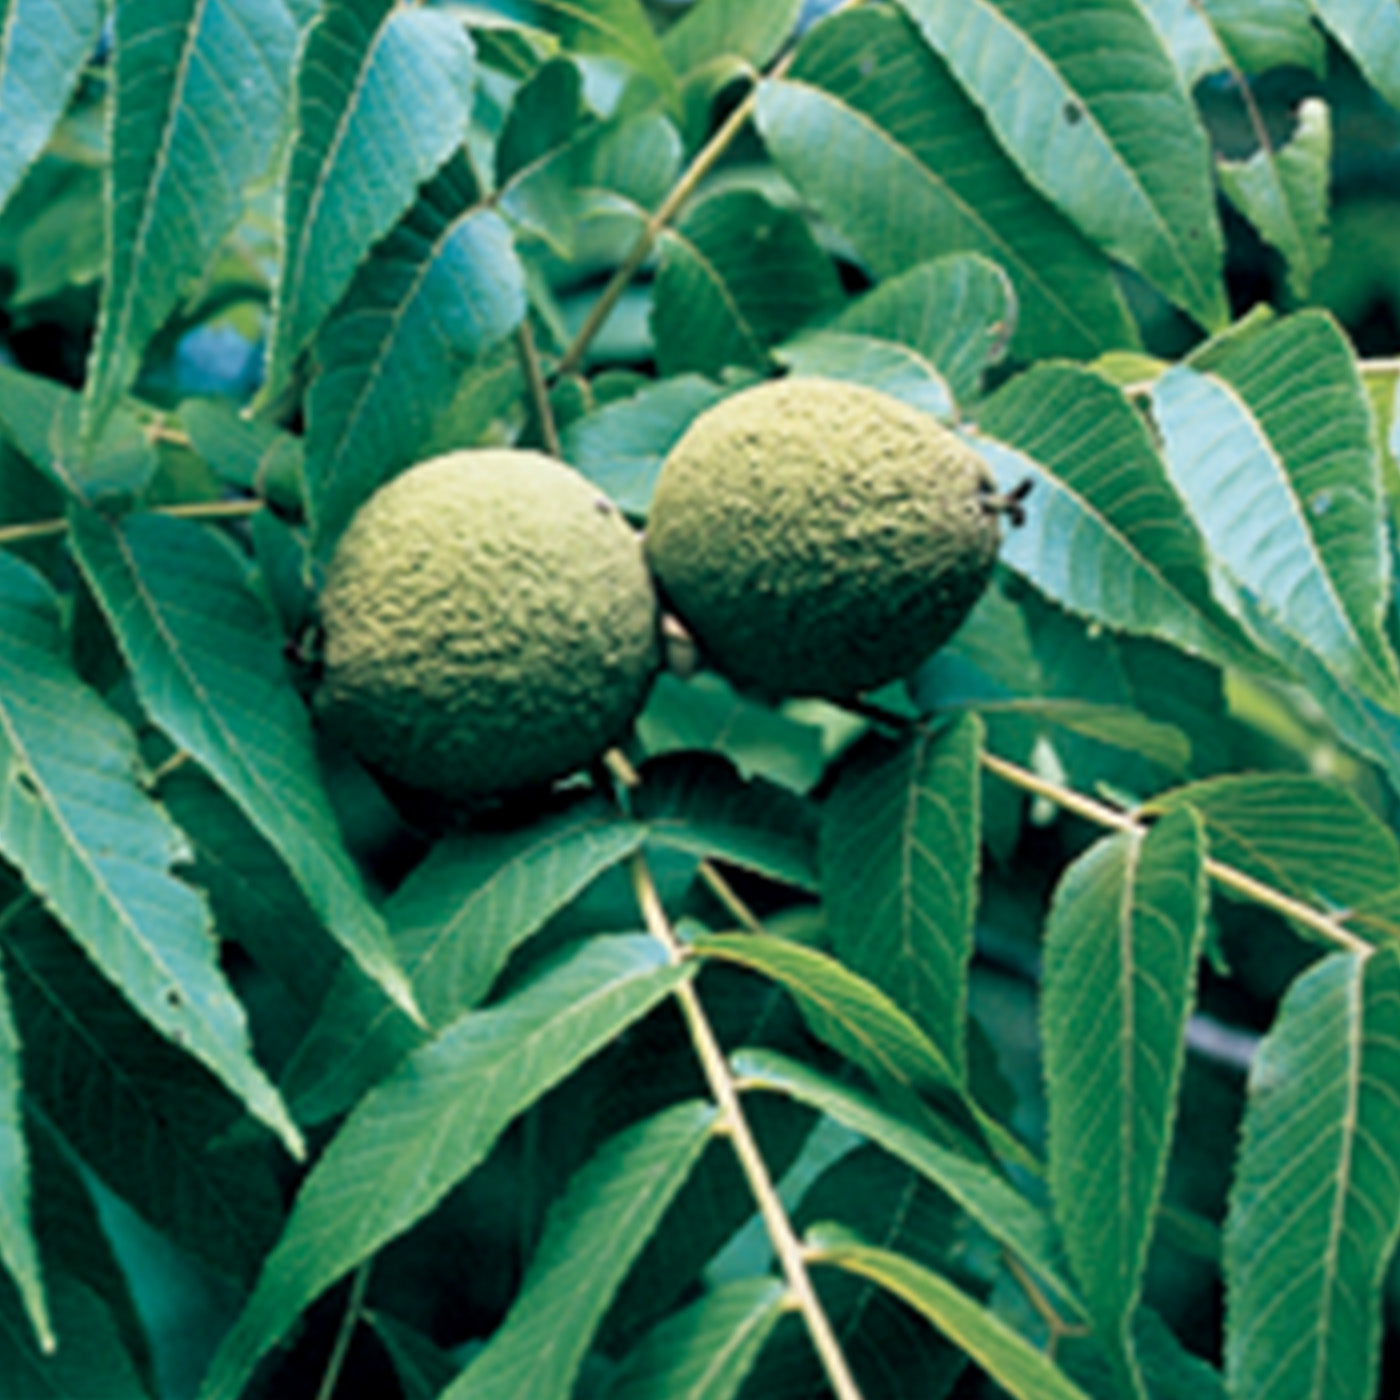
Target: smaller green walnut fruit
821 538
490 624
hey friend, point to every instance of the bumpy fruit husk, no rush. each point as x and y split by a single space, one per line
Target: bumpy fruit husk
821 538
490 625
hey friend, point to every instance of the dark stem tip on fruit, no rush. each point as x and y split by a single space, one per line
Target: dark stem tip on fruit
1009 503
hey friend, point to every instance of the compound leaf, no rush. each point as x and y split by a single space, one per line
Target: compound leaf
426 1127
433 297
1016 1366
90 842
900 858
1314 1212
1121 945
1269 439
206 660
383 99
43 46
704 1351
1096 117
199 97
875 133
593 1233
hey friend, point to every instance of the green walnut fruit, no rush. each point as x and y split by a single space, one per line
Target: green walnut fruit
821 538
489 625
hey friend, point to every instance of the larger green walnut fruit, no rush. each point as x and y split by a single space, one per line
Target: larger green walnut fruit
821 538
490 625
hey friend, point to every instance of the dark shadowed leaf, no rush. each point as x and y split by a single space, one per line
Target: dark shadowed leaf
1315 1208
199 99
139 1114
206 659
737 275
717 29
90 842
432 298
698 803
455 920
383 98
874 131
421 1131
1284 193
986 1196
1370 33
900 858
544 114
1017 1367
594 1232
18 1253
45 44
1121 945
704 1351
1096 117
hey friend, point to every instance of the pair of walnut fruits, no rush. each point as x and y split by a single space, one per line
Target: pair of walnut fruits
492 621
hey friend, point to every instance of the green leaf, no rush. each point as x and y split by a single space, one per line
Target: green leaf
544 115
1121 944
17 1248
99 852
1311 839
1004 1355
455 920
1105 535
92 1362
245 452
1119 726
1284 193
423 1369
1098 120
875 133
592 1235
957 312
894 369
43 47
1315 1208
1370 33
198 101
622 445
704 1351
433 297
1208 36
715 29
424 1129
43 420
850 1014
206 660
987 1197
737 275
383 99
698 803
613 28
139 1114
706 712
1269 439
900 858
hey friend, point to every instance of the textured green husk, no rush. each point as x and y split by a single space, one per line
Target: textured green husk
821 538
490 625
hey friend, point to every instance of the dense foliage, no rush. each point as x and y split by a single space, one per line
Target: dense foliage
1032 1027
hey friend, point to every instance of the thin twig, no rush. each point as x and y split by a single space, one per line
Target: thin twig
192 510
1228 875
729 897
539 390
721 1082
354 1309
